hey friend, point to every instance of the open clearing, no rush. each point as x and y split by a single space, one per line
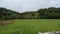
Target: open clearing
32 26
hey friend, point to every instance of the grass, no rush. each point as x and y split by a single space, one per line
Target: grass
32 26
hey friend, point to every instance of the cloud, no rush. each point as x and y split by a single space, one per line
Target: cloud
54 3
28 5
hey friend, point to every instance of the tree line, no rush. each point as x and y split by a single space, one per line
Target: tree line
46 13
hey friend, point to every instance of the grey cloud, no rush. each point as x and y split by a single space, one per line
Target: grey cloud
28 5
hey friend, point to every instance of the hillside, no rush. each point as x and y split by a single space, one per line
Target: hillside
46 13
8 14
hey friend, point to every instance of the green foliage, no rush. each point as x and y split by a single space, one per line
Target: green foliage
8 14
47 13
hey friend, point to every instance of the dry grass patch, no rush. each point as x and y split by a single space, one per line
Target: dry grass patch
3 23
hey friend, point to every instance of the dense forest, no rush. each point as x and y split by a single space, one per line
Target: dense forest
46 13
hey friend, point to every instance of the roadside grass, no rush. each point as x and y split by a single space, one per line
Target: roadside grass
32 26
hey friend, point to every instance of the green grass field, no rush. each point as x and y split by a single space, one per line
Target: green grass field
32 26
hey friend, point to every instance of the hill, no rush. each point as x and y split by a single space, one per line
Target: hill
8 14
46 13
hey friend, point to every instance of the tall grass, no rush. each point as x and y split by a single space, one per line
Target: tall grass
32 26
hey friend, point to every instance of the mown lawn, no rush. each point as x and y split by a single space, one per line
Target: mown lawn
32 26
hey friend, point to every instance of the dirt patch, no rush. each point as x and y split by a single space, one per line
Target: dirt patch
3 23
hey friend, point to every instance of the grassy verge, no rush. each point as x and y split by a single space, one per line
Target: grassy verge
32 26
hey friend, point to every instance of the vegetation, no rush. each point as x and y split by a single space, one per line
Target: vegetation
42 20
6 14
47 13
32 26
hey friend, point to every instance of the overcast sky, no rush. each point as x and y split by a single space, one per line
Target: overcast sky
28 5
